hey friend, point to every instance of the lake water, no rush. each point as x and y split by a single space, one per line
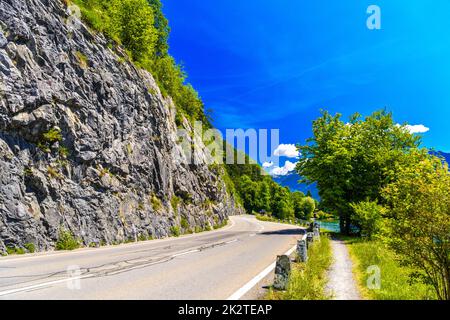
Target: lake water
330 226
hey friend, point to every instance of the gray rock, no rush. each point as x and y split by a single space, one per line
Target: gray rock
117 140
3 40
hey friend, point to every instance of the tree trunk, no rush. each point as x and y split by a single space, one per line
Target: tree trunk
347 226
344 224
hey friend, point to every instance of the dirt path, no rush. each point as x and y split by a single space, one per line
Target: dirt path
341 284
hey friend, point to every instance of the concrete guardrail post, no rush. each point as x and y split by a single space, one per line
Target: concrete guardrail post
302 250
309 238
282 272
317 234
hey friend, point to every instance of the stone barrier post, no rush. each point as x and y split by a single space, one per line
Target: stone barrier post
282 272
309 238
316 234
302 250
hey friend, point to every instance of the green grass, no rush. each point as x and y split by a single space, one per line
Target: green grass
308 280
395 280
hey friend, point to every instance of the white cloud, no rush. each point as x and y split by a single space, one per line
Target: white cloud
267 164
283 171
287 150
418 128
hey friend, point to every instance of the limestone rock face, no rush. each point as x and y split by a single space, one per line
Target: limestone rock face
87 142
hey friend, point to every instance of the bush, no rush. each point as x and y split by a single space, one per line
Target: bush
175 231
14 250
175 201
155 202
369 216
66 241
184 223
30 247
49 138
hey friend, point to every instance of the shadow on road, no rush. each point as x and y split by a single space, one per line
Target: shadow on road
285 232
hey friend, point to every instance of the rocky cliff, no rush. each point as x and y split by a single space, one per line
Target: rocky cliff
87 142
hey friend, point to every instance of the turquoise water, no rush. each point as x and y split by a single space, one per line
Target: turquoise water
330 226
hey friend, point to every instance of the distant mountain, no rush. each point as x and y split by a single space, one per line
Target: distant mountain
292 182
446 156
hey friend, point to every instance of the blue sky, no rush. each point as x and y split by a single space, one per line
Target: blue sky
275 64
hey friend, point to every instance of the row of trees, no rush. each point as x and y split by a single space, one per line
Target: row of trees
373 173
142 29
259 193
264 195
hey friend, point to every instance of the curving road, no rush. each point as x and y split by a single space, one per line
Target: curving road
220 264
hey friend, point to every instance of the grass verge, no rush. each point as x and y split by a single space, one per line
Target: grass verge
308 279
395 280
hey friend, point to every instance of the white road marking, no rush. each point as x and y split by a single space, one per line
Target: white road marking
249 285
42 285
185 253
231 241
252 235
106 248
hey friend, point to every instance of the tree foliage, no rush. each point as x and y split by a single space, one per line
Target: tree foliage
369 216
142 29
261 194
352 162
418 222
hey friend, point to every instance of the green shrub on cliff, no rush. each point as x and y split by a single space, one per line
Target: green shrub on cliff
66 241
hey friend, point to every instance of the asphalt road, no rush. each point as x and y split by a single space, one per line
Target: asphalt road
219 264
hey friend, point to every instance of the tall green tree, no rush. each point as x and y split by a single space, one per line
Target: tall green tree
161 25
297 203
133 23
352 161
282 204
248 190
308 206
418 221
264 197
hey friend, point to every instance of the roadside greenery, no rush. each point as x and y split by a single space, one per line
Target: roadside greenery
396 283
373 173
261 194
353 161
308 280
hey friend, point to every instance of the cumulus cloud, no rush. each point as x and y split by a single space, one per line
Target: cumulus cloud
267 164
287 150
283 171
418 128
